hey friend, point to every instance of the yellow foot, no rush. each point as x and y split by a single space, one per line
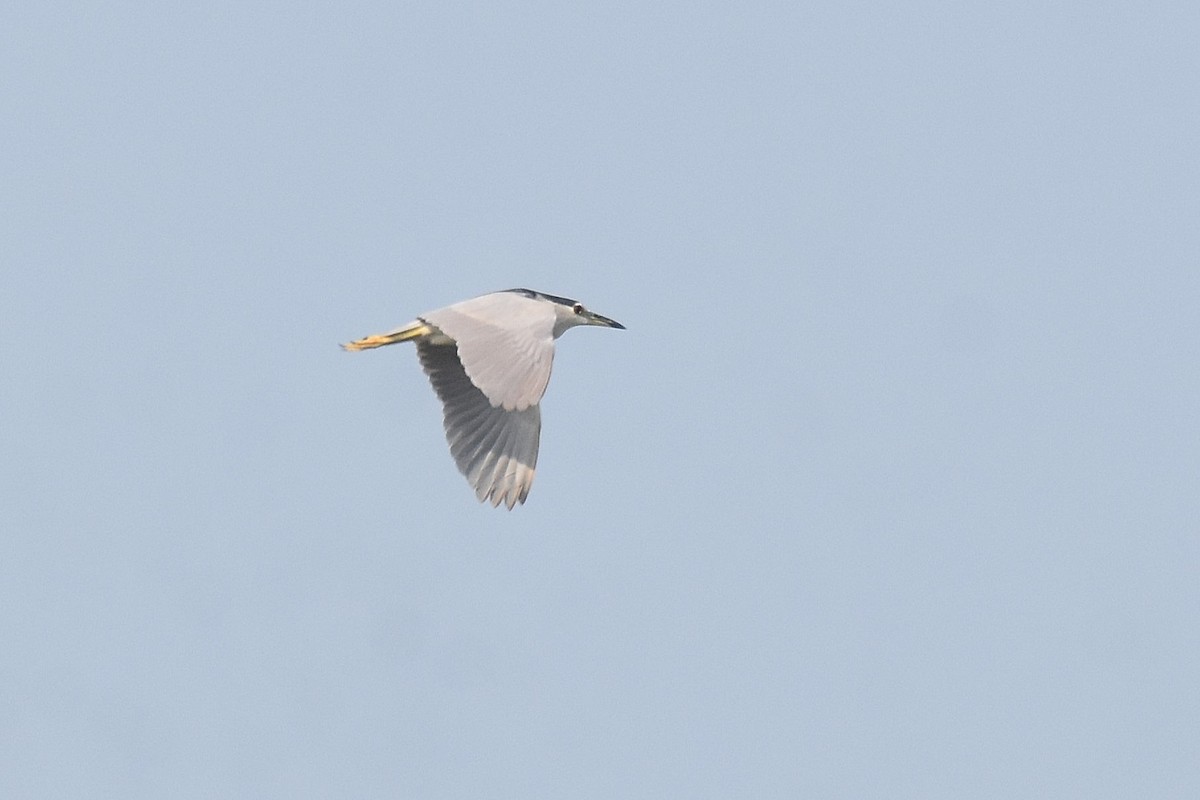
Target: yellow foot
368 342
413 331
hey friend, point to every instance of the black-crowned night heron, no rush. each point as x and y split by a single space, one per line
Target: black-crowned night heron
489 361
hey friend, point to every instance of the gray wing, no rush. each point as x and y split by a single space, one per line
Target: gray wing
495 449
506 345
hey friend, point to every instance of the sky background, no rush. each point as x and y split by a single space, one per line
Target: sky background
890 489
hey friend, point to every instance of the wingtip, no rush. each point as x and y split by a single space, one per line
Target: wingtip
510 497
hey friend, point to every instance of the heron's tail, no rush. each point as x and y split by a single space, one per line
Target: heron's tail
413 330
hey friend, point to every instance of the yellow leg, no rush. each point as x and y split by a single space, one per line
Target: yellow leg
413 331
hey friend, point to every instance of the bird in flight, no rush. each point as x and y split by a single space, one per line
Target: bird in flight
489 361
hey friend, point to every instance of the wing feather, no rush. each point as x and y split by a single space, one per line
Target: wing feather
496 449
505 344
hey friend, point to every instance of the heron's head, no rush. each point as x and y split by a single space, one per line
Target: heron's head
572 313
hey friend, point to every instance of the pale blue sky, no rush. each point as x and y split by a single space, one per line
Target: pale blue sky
889 490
